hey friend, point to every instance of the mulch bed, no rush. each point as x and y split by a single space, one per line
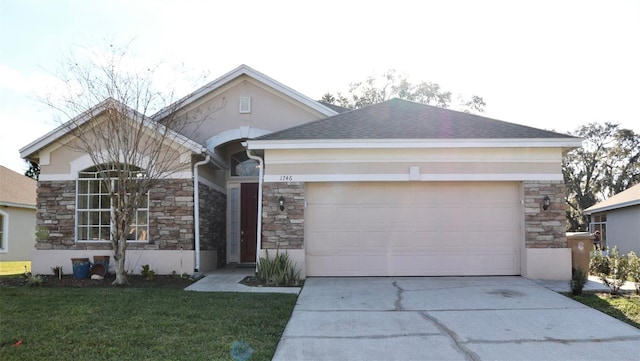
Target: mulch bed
134 281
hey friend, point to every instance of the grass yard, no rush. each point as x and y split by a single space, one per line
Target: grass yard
40 323
625 308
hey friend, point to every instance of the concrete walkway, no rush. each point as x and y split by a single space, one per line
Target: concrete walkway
228 279
448 318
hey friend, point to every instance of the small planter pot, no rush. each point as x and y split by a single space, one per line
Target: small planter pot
81 268
104 261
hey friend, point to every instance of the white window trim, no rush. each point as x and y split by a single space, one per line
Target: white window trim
110 221
4 241
244 105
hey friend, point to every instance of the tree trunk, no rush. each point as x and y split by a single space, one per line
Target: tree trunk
119 255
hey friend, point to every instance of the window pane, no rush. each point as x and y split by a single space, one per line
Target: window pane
105 233
82 218
104 202
142 217
144 201
94 234
105 217
83 187
82 233
83 202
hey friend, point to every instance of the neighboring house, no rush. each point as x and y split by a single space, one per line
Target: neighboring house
17 215
618 219
395 188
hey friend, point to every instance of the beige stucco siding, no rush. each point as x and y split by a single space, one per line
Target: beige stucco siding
62 160
623 229
270 110
20 229
415 164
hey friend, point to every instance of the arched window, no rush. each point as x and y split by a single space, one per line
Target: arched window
94 210
243 166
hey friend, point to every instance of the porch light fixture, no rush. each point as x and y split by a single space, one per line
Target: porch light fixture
281 203
546 202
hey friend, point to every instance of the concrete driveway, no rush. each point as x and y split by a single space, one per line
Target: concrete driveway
448 318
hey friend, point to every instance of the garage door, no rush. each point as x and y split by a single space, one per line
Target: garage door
413 228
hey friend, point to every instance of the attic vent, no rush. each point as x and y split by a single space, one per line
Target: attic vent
245 104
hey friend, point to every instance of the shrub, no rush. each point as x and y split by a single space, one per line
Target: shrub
147 272
634 269
32 280
279 271
57 271
611 268
578 279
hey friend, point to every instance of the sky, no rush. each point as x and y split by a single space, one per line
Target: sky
552 65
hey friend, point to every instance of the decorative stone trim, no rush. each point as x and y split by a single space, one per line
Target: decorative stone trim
283 229
545 229
213 205
171 223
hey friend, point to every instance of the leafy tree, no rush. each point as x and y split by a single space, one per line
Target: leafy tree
131 152
606 164
394 85
33 171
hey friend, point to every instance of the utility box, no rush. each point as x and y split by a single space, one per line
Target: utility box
581 244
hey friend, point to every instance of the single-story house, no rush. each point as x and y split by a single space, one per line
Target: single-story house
395 188
618 220
17 215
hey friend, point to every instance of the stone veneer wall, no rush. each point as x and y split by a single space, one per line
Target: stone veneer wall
170 217
545 229
213 221
283 229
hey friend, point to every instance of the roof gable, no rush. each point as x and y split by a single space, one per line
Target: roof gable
90 114
16 189
244 70
626 198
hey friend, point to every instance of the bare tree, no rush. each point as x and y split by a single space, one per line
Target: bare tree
110 102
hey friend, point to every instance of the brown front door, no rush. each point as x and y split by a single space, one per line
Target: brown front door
248 221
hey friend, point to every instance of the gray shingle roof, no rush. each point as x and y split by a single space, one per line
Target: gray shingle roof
402 119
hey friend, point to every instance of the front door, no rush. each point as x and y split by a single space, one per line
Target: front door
248 221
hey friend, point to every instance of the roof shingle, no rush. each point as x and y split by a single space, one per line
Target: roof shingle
402 119
16 188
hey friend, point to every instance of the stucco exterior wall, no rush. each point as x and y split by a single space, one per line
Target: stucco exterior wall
20 230
623 229
423 164
269 110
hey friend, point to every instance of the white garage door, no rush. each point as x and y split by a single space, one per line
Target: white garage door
413 228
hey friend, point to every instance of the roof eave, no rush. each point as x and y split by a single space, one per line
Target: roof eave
63 129
592 210
566 144
18 205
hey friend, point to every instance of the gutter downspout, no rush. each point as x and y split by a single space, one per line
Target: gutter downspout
196 210
259 226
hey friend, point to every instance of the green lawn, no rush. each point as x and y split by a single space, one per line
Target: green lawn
625 308
43 323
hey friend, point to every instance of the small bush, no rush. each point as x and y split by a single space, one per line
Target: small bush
634 269
611 268
32 280
57 271
279 271
578 280
147 272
